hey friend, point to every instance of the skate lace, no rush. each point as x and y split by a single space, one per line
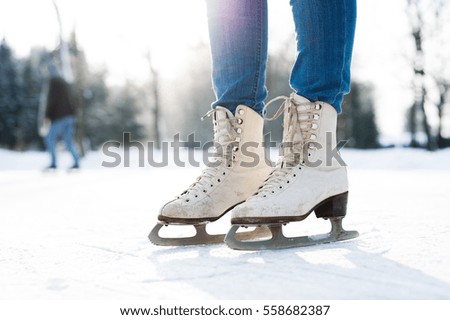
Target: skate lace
299 129
225 144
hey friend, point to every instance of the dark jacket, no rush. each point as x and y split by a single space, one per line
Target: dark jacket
59 104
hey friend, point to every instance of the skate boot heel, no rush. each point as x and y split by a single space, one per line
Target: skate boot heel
332 207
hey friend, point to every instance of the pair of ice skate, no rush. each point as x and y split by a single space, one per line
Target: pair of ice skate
305 180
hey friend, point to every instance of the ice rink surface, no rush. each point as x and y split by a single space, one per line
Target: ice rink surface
84 236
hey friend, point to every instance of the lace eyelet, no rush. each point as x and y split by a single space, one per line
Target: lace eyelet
240 121
187 200
223 173
204 191
218 180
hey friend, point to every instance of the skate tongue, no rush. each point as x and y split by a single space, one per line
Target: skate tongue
222 113
299 99
218 113
222 126
224 133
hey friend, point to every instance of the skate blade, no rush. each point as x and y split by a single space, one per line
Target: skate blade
278 241
202 237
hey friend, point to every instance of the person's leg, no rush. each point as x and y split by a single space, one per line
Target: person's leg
310 175
325 31
238 33
69 129
50 143
238 36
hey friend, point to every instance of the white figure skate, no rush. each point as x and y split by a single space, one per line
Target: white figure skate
239 170
306 179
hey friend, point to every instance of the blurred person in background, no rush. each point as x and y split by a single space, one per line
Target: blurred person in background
61 114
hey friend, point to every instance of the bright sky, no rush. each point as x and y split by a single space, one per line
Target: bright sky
114 33
118 34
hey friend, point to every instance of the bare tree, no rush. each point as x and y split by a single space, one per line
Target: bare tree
430 66
66 67
440 74
443 87
416 20
154 89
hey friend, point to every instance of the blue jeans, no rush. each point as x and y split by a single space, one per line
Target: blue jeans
238 34
64 128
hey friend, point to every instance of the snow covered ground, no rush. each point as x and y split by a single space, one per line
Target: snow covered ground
84 236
